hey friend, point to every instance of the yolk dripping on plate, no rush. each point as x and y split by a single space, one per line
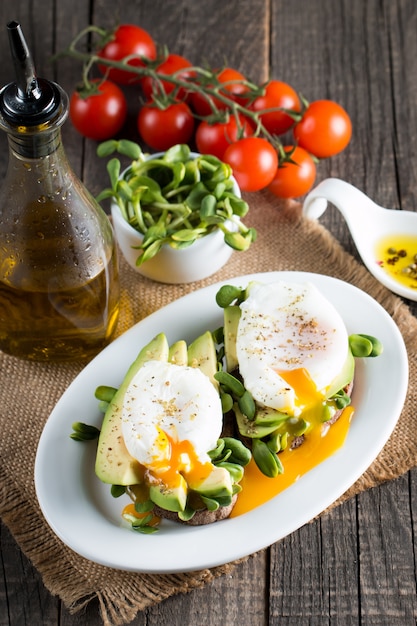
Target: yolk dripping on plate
258 488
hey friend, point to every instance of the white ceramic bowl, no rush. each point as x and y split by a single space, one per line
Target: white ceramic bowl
200 260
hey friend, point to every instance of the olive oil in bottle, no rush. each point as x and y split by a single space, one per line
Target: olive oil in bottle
59 290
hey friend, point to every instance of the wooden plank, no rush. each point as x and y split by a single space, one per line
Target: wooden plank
400 22
387 559
321 567
309 576
237 598
386 555
23 597
214 33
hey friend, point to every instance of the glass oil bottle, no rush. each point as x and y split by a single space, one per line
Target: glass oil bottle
59 290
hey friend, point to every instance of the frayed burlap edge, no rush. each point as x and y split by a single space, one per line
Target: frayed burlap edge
118 605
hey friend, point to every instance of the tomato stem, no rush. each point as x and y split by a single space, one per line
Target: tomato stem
204 82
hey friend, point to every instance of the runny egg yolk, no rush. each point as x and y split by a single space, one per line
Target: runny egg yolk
320 444
176 459
306 391
171 418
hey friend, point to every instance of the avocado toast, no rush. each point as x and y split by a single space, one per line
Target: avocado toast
186 477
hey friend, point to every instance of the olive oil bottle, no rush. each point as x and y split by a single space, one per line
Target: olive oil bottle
59 290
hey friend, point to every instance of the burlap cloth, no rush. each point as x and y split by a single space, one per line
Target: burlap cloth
29 391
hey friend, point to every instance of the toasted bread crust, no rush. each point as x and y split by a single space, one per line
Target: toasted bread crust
201 517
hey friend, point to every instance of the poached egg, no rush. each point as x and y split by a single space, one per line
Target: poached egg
291 344
172 416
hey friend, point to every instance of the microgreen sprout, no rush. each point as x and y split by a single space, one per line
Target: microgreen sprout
84 432
175 199
362 345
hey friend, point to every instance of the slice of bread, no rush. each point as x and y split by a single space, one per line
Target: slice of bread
203 516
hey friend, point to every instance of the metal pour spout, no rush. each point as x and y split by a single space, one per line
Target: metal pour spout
26 81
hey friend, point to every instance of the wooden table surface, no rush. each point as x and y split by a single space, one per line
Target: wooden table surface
357 564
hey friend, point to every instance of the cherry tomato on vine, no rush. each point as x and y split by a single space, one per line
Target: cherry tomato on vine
163 128
295 179
101 114
216 138
127 40
254 162
234 82
234 88
277 94
325 129
172 64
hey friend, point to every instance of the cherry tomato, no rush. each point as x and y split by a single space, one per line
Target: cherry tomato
163 128
101 114
233 89
216 138
292 180
128 39
234 82
172 64
325 129
254 162
277 94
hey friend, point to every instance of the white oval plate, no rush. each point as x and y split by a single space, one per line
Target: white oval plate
83 514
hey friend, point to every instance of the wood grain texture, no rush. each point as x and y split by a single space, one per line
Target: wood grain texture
357 564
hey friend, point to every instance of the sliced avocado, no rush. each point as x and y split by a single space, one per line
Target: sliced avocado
170 498
217 484
231 322
266 416
267 420
178 354
344 377
202 354
114 465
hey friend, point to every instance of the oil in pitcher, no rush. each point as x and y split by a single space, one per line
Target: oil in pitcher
59 290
